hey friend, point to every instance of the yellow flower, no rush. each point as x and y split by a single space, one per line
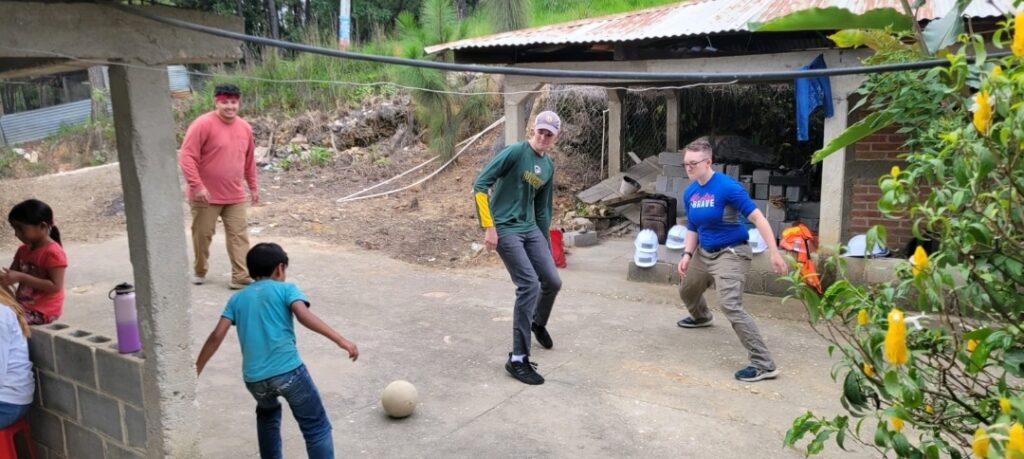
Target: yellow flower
896 339
972 344
997 71
919 262
897 423
929 409
983 111
1015 446
1018 36
980 443
1004 405
895 171
869 370
862 317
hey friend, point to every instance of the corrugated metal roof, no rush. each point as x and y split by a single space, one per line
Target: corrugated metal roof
701 17
44 122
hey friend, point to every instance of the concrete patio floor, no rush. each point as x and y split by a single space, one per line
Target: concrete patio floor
622 380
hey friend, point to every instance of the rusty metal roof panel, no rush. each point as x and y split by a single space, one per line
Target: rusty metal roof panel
700 17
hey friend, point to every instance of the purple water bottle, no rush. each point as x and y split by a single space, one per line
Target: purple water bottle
126 317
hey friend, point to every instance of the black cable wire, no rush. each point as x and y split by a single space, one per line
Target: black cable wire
549 73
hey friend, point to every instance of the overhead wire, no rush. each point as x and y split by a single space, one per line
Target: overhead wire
706 77
634 89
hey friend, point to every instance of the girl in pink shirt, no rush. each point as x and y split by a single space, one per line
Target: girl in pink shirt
39 264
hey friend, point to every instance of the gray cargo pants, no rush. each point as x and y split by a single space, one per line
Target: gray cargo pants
527 257
727 270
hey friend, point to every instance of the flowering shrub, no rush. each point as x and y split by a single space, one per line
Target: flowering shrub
935 359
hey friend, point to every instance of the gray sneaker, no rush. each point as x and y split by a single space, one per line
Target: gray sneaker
239 285
198 280
690 322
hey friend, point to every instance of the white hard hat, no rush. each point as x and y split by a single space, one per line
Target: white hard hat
757 243
646 241
646 254
857 247
676 238
645 259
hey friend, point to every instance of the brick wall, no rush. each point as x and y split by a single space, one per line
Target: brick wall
88 400
871 158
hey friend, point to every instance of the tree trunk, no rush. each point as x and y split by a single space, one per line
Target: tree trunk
296 10
309 12
275 31
240 7
460 8
98 91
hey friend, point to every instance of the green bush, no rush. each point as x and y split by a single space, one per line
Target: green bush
945 379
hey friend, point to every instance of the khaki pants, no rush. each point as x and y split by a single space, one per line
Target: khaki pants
727 270
236 236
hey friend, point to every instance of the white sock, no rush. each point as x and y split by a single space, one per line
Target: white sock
518 357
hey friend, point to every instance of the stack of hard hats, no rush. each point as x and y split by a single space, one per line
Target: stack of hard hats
646 254
757 243
676 239
857 247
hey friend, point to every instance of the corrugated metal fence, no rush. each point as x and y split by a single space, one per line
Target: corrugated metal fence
39 124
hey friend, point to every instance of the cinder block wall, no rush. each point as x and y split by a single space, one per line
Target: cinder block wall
873 157
88 400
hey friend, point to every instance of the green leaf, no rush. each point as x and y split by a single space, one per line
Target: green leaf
942 32
818 444
852 390
872 123
1013 361
882 438
800 427
892 384
834 18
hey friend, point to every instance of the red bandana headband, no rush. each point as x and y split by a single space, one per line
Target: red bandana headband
225 97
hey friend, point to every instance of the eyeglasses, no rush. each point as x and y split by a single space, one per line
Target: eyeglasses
693 164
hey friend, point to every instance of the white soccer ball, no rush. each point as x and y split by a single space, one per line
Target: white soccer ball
399 399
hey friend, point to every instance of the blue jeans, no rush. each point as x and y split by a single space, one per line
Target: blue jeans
298 390
527 258
10 413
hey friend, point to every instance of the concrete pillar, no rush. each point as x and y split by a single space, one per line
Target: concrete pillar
615 132
517 111
833 174
672 120
146 148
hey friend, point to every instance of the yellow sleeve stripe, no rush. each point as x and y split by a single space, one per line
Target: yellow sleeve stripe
484 210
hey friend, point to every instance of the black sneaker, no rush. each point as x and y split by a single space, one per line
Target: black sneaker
541 333
753 374
524 371
690 322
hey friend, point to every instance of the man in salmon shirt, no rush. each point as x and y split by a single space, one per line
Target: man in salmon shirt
217 159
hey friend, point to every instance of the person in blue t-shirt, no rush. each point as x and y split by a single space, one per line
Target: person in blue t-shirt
262 313
714 203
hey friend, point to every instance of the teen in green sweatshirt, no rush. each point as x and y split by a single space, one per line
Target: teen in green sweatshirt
516 217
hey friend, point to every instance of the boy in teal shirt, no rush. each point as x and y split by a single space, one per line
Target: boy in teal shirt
271 367
517 217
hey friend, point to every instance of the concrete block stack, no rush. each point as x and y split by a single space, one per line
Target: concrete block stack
673 180
89 397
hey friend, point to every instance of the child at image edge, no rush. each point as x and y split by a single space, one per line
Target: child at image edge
271 367
39 265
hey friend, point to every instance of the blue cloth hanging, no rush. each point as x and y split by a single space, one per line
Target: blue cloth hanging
811 93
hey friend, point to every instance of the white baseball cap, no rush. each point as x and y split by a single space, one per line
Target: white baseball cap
548 120
676 238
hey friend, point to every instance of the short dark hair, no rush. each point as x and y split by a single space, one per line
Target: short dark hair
227 90
263 259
